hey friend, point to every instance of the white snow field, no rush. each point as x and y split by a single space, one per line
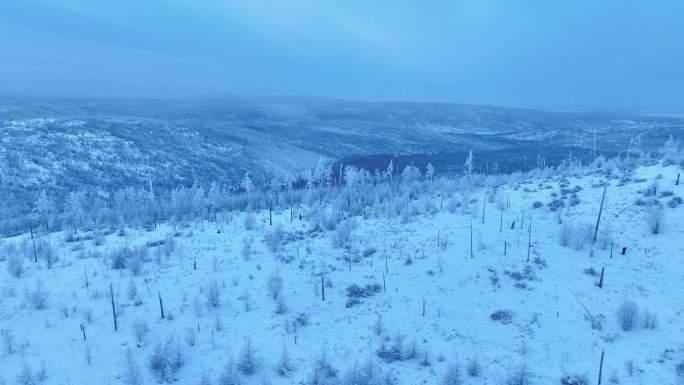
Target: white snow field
426 310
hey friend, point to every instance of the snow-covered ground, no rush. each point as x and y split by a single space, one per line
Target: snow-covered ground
544 315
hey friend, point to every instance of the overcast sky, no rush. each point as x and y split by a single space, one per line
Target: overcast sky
571 55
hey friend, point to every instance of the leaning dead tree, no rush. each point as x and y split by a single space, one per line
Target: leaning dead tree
111 296
598 219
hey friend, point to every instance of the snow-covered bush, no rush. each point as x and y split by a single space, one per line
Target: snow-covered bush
453 204
132 374
246 250
250 221
605 236
565 234
248 362
140 330
627 315
452 376
503 316
213 294
228 375
7 340
165 361
38 296
679 369
273 237
15 264
323 373
575 235
128 258
275 285
26 376
649 320
474 369
134 264
574 379
168 245
98 238
46 252
654 218
355 293
520 376
342 233
285 368
367 374
394 352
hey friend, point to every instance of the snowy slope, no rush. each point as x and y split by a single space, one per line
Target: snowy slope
62 145
427 267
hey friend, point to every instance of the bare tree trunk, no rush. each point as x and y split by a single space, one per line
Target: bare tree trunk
471 240
35 252
522 221
85 278
600 282
322 288
484 204
598 220
601 368
529 240
111 296
161 305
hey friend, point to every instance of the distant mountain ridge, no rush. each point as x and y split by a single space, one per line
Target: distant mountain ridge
62 144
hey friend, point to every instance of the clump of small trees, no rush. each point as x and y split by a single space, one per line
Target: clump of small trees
627 315
166 360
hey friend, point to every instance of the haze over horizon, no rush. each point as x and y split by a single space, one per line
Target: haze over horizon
614 56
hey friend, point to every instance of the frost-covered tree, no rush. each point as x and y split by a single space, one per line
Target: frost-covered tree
285 367
410 174
73 209
670 151
275 285
26 376
166 359
389 170
228 375
132 374
214 198
248 362
430 171
468 168
45 207
352 176
213 294
247 184
322 174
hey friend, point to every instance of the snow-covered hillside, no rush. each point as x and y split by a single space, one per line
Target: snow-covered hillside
482 280
83 144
